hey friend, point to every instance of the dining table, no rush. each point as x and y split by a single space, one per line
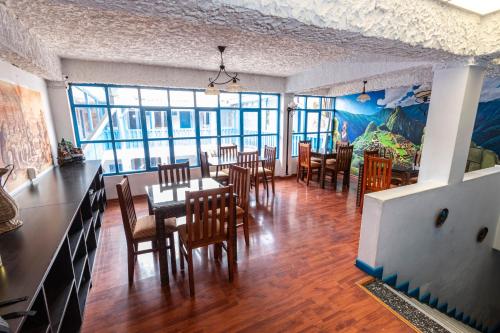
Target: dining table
169 200
399 171
223 162
323 154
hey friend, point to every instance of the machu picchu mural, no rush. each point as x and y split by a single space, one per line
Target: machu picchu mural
395 119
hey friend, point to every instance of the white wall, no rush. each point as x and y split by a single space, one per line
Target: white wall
398 232
14 75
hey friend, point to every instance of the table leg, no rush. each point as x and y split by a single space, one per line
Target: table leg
264 178
256 180
162 248
235 235
322 171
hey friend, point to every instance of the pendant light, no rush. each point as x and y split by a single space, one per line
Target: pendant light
364 97
232 79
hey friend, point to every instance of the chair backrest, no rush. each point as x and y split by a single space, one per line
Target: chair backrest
418 156
270 158
344 157
377 173
205 168
341 143
249 160
228 152
239 177
373 153
305 141
129 218
174 174
204 226
305 154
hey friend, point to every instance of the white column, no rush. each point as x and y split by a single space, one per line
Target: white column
452 112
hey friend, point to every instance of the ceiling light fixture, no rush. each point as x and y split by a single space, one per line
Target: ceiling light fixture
364 97
483 7
233 85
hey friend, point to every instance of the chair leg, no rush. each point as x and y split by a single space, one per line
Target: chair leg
245 229
154 245
334 175
171 240
308 176
131 264
230 259
181 253
190 272
272 183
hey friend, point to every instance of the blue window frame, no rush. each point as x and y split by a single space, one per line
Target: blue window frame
134 128
313 120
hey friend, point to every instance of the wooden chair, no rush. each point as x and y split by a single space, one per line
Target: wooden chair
416 162
205 169
331 161
304 162
174 174
377 174
239 178
204 228
342 165
229 152
266 172
250 160
314 159
142 229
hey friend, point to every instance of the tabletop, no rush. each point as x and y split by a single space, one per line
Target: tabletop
223 161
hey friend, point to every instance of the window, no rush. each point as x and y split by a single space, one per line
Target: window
133 129
313 120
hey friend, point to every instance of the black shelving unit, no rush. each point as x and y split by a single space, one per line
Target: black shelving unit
50 258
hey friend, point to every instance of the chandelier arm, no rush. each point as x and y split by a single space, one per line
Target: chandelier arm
216 78
221 83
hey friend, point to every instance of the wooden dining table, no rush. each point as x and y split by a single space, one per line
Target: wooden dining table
166 201
323 154
399 171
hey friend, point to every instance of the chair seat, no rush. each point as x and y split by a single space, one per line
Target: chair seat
316 159
146 227
331 161
215 175
239 211
315 165
267 171
224 172
182 230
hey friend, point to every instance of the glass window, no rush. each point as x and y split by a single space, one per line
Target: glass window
229 100
327 103
206 101
313 103
300 101
299 121
186 151
157 124
159 152
234 140
209 145
88 95
181 98
251 143
93 124
102 152
131 156
208 123
326 121
269 120
250 101
295 143
123 96
154 97
126 123
230 122
269 140
250 123
269 101
312 121
183 123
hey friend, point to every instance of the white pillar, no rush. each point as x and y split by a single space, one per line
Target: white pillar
287 98
452 112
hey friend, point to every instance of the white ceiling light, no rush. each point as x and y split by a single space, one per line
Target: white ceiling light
481 7
363 97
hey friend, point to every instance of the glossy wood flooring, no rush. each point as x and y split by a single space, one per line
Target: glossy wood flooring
298 275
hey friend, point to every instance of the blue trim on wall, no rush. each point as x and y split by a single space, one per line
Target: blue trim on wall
375 272
403 287
414 293
443 307
452 313
391 280
425 298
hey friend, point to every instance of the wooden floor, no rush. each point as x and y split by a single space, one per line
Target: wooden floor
297 275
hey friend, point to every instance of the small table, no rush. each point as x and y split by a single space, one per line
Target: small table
323 154
405 173
219 161
170 201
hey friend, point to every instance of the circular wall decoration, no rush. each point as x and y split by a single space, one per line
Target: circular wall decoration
481 235
442 216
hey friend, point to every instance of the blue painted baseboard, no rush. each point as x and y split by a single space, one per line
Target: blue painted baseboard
375 272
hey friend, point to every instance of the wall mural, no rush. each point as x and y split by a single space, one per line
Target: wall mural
24 139
395 119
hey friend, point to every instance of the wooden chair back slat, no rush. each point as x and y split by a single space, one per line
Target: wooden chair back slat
204 226
205 168
249 160
344 157
174 174
228 152
270 158
239 177
129 218
377 173
305 154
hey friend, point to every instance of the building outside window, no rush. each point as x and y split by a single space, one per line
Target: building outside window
133 129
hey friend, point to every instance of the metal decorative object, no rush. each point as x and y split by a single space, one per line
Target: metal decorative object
9 212
423 96
443 215
233 79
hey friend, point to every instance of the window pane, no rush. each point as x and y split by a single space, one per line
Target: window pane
250 100
269 120
314 140
102 152
88 95
327 103
130 156
313 102
250 143
154 97
185 150
269 101
325 140
299 121
156 124
209 145
301 102
208 123
326 121
183 123
250 122
295 143
181 98
230 122
231 141
229 100
312 121
207 101
268 140
123 96
126 123
93 124
159 152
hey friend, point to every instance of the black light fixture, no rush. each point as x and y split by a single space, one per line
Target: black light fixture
364 97
233 79
292 106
